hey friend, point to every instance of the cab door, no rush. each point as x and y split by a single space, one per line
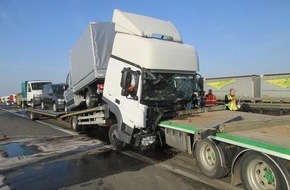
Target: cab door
50 96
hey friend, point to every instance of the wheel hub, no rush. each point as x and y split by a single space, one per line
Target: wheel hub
269 177
261 175
208 156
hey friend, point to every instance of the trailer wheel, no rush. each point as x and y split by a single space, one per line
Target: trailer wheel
113 137
90 101
260 173
54 107
208 159
74 124
34 116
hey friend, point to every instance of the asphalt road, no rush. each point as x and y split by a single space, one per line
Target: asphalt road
15 127
44 156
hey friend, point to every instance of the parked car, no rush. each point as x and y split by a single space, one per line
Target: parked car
9 103
52 96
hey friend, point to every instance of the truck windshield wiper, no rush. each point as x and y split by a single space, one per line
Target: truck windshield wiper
150 74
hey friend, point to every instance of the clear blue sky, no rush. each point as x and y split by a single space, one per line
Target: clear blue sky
231 37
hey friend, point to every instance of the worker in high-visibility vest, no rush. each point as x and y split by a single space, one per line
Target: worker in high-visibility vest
231 102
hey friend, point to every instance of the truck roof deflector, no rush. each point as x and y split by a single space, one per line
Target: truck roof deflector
144 26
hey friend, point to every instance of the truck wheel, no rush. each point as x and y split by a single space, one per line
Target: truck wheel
208 159
74 124
90 101
260 173
34 116
66 110
42 105
113 137
54 107
23 105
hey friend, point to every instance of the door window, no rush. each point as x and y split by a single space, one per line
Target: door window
29 87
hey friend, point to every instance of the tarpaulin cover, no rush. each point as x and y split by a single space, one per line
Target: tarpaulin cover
90 55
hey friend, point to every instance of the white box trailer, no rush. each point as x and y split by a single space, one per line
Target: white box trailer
247 87
88 63
275 86
90 56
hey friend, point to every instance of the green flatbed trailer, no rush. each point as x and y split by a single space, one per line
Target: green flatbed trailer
254 149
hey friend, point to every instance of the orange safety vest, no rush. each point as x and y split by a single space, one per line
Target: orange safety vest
210 100
232 105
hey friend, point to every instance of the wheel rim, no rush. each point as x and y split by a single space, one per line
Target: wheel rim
114 136
208 157
74 124
260 175
54 108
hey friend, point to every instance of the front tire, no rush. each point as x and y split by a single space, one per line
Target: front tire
113 137
54 107
74 124
258 172
208 159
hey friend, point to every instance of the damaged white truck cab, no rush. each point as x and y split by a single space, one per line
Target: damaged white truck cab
150 73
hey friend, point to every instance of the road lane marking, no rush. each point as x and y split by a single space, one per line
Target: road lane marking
58 128
17 114
194 176
50 125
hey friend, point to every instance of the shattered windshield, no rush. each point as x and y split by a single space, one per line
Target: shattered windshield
168 87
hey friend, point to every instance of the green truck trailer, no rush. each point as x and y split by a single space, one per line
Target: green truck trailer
254 149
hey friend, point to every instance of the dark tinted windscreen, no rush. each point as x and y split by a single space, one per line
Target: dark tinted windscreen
58 89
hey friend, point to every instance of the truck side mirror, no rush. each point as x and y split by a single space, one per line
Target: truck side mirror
65 87
200 83
125 81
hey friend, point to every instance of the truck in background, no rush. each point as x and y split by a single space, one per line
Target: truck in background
256 88
12 98
247 87
31 92
276 87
